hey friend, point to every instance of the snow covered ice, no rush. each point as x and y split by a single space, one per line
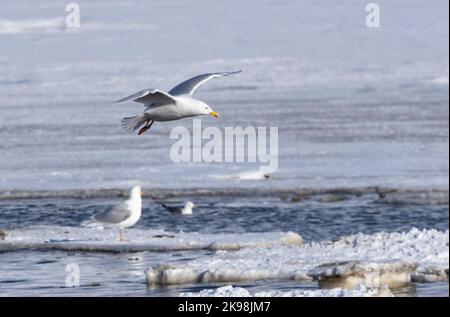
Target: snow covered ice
350 274
377 260
230 291
93 239
371 253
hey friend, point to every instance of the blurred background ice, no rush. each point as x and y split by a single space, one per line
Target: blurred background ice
355 106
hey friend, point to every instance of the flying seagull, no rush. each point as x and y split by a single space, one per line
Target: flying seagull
186 210
176 104
123 215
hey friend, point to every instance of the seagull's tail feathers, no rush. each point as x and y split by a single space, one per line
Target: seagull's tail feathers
131 124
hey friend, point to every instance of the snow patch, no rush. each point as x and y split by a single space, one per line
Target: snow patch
442 80
230 291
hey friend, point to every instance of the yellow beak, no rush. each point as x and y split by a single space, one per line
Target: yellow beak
214 114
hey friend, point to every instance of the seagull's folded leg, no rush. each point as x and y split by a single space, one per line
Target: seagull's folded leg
145 127
122 234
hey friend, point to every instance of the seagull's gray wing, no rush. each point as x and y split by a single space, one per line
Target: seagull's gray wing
114 215
189 86
149 96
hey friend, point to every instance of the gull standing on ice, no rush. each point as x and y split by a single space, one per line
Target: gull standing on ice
178 103
186 210
123 215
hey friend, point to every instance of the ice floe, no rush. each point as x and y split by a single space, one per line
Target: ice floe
397 257
373 260
230 291
350 274
92 239
430 274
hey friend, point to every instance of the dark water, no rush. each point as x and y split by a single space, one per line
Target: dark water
313 220
30 273
37 273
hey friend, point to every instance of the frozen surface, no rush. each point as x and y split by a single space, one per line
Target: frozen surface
351 274
230 291
426 248
93 239
277 269
357 109
354 106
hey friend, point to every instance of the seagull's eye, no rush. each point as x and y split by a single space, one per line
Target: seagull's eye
206 108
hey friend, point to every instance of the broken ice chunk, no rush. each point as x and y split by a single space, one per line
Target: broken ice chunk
350 274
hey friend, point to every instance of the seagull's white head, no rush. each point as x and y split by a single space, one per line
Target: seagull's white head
187 210
205 109
135 192
189 205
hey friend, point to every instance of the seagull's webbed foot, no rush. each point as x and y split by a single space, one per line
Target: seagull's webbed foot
146 127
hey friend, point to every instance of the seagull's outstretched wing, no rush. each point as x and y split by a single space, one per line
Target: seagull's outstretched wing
115 215
149 96
189 86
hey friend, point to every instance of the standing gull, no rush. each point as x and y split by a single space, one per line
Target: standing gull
178 103
123 215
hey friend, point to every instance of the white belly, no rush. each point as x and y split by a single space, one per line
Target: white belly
165 113
182 108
